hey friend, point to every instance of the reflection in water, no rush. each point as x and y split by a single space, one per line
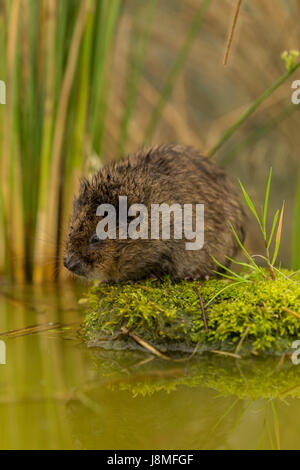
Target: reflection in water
57 394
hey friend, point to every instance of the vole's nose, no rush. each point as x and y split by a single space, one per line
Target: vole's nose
73 265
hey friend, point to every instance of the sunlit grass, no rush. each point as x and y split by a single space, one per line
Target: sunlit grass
250 265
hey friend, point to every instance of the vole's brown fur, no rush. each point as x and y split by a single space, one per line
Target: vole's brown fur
165 174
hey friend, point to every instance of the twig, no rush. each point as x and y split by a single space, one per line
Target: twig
202 309
287 310
231 33
144 343
32 329
155 351
293 274
223 353
242 340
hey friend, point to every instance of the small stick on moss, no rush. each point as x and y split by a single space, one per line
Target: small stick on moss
202 309
293 274
287 310
223 353
126 332
242 340
144 343
231 33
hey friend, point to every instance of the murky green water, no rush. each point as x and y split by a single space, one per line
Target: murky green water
57 394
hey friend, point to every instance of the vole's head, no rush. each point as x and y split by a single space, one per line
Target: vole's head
113 258
85 254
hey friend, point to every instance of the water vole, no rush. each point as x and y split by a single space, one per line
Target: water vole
171 174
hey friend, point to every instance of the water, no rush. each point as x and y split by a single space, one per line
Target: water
57 394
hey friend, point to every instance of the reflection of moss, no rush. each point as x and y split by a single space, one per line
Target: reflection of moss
246 378
169 316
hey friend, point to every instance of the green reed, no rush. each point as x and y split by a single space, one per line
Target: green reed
56 60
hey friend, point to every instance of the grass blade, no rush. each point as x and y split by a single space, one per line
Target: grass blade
266 204
244 249
250 204
278 235
273 229
235 275
222 290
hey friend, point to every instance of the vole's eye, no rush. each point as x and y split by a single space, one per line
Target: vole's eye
94 239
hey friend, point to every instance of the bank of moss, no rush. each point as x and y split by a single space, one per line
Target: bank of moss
168 316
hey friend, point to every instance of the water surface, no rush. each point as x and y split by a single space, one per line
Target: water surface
55 393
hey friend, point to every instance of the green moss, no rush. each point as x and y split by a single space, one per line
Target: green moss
168 315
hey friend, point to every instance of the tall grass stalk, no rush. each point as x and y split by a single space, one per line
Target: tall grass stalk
138 48
254 106
176 69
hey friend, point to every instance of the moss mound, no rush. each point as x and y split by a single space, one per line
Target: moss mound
168 316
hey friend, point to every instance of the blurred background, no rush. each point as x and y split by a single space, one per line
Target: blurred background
89 81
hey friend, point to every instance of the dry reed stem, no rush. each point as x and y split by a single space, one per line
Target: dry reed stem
7 150
231 33
56 157
48 124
